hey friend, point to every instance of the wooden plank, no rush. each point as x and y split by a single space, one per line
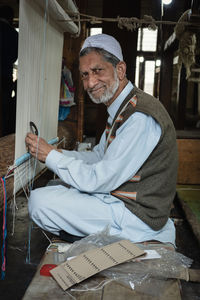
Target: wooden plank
43 287
190 194
46 288
189 161
187 134
168 290
193 193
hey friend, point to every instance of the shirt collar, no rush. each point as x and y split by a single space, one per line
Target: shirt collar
113 108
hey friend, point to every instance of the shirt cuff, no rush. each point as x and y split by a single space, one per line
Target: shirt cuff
52 159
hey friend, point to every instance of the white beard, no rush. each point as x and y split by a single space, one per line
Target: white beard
108 93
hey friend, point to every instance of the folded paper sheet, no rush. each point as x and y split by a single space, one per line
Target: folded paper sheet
94 261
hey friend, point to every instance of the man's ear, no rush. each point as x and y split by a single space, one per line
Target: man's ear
121 70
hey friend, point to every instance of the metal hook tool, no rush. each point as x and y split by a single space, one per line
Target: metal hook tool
33 128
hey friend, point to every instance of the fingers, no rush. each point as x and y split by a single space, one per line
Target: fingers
31 141
30 137
37 147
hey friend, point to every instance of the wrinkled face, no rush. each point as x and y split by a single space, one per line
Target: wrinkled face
99 77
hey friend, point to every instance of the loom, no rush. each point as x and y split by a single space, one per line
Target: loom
40 57
41 36
42 24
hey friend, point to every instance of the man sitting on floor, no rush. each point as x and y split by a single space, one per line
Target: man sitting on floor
128 181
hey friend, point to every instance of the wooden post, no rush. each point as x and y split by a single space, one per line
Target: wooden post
80 97
182 94
195 7
1 125
166 80
72 46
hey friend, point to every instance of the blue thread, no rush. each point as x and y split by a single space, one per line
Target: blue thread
28 257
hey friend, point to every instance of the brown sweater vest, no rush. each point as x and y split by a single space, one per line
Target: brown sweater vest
150 193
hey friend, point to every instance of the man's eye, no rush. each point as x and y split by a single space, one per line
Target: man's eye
84 76
97 71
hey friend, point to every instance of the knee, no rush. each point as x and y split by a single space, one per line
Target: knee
35 203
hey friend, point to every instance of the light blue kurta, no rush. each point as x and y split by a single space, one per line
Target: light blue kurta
88 206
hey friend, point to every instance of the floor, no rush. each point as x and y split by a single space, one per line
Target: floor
19 270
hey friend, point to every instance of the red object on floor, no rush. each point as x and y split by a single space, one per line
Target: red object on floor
44 271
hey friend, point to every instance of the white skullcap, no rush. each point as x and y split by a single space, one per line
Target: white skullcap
106 42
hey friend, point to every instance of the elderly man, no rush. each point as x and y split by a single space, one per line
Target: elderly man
128 181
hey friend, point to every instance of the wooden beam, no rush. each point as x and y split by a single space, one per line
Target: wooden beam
182 95
189 161
1 123
166 80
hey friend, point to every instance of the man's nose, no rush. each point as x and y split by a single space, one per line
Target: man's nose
92 80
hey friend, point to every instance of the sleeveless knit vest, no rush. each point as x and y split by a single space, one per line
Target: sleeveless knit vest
149 193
